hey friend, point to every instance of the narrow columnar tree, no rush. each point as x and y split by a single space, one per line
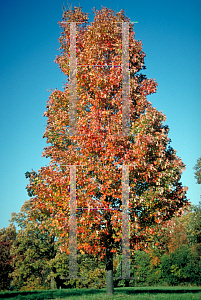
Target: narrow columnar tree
99 149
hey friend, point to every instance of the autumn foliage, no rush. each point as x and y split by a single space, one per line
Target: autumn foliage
100 149
7 237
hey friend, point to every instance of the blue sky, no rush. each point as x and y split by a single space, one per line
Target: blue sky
170 33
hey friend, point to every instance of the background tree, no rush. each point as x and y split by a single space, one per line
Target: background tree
88 267
181 267
32 250
181 263
156 193
36 258
197 169
177 237
158 246
194 228
186 229
7 237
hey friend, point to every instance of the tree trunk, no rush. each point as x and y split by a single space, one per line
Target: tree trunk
52 283
109 255
126 283
109 273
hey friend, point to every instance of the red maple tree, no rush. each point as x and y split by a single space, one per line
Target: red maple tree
99 149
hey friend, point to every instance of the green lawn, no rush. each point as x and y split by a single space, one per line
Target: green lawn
138 293
141 294
145 296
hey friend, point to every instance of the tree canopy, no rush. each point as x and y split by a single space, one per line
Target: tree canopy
100 150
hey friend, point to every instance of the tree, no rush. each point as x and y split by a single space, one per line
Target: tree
99 148
7 237
181 267
177 237
36 258
32 252
175 267
186 229
197 169
194 226
157 248
183 238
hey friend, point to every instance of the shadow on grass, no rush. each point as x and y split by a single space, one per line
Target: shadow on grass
49 294
52 294
162 290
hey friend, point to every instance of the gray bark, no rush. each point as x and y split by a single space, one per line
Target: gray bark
109 273
109 255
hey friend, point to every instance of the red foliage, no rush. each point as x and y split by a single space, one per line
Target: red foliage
156 193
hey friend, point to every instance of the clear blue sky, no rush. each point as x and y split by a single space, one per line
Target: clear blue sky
171 35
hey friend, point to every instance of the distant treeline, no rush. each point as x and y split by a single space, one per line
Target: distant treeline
30 258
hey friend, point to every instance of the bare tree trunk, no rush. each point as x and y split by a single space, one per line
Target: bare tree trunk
109 255
109 273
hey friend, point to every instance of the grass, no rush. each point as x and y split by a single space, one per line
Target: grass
175 293
138 293
187 296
